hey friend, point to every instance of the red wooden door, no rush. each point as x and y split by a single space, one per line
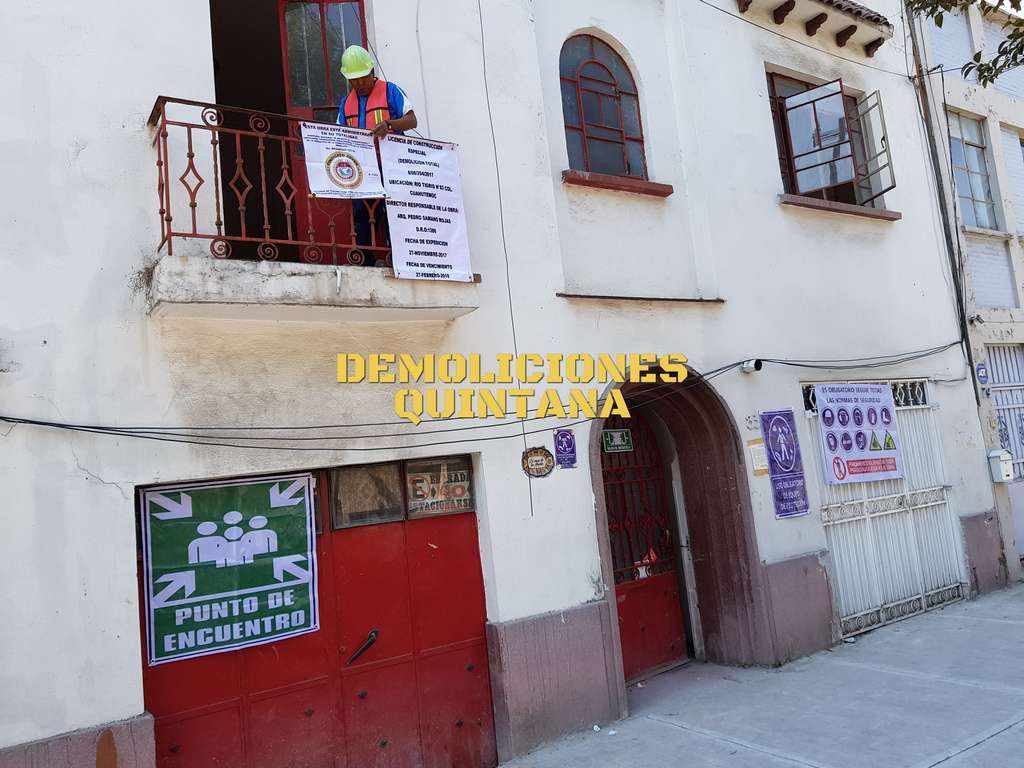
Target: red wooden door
417 695
314 34
645 558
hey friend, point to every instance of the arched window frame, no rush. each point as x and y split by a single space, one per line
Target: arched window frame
583 82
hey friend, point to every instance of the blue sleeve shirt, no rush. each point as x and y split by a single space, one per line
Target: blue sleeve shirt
399 105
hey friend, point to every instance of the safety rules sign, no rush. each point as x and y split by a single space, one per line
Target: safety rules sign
785 465
425 216
228 565
859 438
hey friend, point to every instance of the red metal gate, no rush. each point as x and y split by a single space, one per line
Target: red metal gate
408 595
645 561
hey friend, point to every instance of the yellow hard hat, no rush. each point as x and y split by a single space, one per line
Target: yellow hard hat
356 62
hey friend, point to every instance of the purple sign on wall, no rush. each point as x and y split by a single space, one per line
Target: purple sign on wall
565 449
785 467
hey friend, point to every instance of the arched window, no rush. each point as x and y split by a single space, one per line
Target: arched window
601 110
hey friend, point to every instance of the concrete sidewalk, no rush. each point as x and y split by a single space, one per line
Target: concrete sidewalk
945 688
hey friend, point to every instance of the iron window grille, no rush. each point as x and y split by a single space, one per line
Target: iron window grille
832 145
601 110
906 393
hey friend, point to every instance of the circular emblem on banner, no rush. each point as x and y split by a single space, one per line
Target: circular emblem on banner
344 170
538 462
828 416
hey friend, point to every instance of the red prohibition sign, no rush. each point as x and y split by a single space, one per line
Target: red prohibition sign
839 467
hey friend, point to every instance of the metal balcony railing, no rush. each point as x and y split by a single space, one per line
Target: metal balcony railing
237 178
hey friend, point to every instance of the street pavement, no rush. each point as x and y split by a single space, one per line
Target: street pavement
943 689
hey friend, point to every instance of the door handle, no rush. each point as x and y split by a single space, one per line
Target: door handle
371 638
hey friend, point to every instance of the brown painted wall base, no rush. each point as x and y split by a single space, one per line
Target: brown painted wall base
985 553
801 606
552 674
125 744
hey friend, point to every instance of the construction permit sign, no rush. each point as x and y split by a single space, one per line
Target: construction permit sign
228 565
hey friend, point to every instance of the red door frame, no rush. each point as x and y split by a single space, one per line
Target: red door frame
331 220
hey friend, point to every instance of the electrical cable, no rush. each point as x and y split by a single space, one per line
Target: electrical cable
501 203
293 438
90 429
869 362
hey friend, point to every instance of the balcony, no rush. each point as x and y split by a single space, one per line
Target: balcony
243 238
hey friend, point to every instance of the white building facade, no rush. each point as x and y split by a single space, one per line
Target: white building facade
982 129
694 216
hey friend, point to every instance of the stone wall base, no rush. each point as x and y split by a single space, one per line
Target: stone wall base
124 744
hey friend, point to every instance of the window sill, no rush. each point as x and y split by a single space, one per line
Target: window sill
983 232
882 214
610 297
617 183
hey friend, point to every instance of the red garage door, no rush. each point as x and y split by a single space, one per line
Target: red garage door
397 674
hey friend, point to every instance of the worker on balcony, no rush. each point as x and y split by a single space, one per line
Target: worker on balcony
374 105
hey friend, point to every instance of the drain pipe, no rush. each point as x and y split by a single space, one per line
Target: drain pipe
948 220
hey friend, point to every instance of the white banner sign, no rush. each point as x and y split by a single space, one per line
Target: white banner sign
859 438
425 216
340 161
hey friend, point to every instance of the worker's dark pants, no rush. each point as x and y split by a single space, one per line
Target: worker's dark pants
361 215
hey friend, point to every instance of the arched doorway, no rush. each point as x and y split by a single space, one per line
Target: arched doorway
729 578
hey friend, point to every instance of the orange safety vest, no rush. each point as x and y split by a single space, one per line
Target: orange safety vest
377 110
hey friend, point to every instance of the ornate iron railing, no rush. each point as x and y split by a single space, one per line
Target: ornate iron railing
237 178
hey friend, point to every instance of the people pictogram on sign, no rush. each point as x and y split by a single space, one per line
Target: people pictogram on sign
208 548
235 546
782 443
259 541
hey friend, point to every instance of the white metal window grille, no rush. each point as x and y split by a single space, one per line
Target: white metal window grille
895 545
1006 369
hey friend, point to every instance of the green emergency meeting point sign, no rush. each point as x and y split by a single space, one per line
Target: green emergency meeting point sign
228 565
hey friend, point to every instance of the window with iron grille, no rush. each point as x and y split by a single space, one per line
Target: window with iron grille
906 393
601 110
832 145
968 149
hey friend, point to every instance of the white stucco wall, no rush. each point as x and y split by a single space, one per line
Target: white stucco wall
76 345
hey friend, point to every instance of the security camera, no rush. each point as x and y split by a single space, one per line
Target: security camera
752 366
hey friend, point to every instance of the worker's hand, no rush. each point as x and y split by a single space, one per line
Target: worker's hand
382 129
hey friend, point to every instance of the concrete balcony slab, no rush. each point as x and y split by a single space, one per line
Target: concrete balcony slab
232 289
